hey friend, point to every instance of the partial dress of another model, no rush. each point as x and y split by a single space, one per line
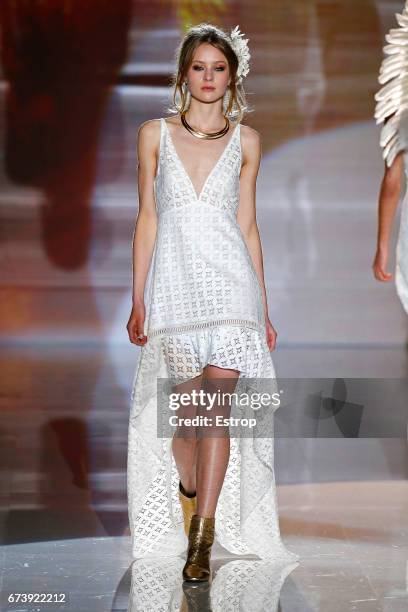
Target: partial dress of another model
392 111
203 306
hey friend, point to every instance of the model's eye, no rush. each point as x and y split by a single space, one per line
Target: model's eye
219 68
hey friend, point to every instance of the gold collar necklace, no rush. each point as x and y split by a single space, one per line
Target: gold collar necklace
204 135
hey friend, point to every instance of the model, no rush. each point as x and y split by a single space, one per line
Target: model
200 316
392 112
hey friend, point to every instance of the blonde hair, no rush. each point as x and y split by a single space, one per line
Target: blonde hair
234 104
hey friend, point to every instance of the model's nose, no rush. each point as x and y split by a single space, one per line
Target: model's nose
208 76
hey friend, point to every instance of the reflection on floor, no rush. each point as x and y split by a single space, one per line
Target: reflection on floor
352 539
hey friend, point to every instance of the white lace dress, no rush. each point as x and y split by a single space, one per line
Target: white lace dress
203 306
401 263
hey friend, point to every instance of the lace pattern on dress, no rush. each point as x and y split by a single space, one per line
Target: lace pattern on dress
203 306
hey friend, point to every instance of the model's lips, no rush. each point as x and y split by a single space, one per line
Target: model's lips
208 88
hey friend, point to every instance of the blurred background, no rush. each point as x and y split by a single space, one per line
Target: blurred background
77 81
78 77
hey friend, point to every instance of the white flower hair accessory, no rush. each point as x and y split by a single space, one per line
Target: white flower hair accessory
240 46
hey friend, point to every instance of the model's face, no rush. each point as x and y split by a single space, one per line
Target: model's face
209 74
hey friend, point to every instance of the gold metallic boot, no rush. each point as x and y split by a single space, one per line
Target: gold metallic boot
188 505
200 539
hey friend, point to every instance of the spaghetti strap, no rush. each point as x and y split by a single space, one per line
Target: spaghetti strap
160 151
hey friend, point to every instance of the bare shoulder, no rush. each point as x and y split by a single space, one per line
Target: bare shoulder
250 135
251 144
149 129
148 141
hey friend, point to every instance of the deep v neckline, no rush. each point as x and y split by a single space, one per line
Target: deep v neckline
183 168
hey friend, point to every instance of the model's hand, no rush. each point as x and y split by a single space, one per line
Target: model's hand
271 334
380 265
135 325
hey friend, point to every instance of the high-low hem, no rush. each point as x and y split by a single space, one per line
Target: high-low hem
246 514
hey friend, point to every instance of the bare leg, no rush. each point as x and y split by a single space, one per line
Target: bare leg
213 447
184 444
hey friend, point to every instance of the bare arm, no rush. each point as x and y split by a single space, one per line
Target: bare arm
246 216
144 235
390 193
